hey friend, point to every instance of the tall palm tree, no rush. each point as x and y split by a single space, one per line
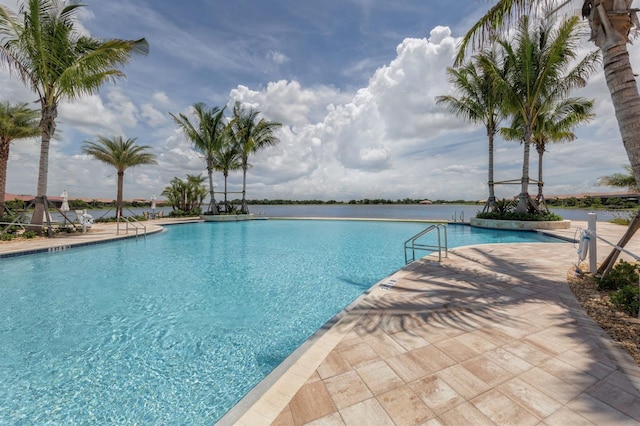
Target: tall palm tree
251 135
120 154
206 135
227 159
535 76
553 126
42 45
610 22
478 102
16 122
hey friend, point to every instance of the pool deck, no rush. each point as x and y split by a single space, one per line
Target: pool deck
490 335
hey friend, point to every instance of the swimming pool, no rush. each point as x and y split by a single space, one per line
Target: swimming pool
178 327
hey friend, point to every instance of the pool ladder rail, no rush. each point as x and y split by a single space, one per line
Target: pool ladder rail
412 245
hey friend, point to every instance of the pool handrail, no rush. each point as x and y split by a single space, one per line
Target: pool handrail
426 247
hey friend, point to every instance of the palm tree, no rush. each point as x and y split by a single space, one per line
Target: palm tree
553 126
251 135
621 180
186 195
227 159
478 102
206 135
120 154
610 22
42 45
534 77
16 122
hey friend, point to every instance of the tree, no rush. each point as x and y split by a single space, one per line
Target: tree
206 135
553 126
534 76
120 154
227 159
610 22
16 122
250 135
478 102
43 46
621 180
186 195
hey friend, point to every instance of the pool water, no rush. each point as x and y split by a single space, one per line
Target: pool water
175 329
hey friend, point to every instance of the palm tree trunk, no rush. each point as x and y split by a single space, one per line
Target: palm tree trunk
226 205
523 198
490 205
624 96
4 160
212 199
119 196
48 125
244 209
607 264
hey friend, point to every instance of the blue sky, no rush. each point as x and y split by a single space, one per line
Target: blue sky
352 81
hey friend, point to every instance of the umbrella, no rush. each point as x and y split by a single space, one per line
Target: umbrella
153 202
65 201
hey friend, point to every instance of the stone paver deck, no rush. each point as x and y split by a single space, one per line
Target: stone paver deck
491 335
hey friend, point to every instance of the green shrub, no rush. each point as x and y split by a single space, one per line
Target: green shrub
6 237
622 274
525 216
29 234
627 299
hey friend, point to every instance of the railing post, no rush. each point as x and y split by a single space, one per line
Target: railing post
593 243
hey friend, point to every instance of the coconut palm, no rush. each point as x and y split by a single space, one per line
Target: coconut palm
553 126
478 102
206 135
120 154
44 47
621 180
251 135
610 22
227 159
16 122
535 76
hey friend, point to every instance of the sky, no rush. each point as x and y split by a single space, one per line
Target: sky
353 83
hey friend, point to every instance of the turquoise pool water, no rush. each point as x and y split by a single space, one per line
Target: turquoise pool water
175 329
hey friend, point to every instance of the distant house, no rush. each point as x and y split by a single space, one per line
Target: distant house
426 202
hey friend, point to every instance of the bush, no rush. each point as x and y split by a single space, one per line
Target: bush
181 213
627 299
525 216
29 234
6 237
621 275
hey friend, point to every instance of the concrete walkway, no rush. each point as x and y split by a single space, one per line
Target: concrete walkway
492 335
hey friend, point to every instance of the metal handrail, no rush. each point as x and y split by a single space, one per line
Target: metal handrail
426 247
134 223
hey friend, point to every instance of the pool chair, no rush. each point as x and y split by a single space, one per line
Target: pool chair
84 218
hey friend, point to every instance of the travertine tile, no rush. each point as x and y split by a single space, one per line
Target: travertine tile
502 410
419 363
529 397
436 394
598 412
568 373
456 350
617 398
508 361
462 381
359 354
409 340
347 389
385 346
379 377
310 403
465 414
334 419
285 418
404 407
527 352
566 417
557 389
368 412
488 371
335 363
